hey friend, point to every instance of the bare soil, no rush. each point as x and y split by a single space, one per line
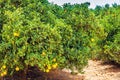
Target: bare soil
97 70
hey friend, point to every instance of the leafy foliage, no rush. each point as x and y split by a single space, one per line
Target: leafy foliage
111 43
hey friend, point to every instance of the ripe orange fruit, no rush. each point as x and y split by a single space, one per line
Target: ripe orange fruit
43 54
16 34
47 70
5 73
17 69
54 60
4 66
54 65
1 74
92 40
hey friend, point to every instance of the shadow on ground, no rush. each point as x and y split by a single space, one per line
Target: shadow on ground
34 74
114 66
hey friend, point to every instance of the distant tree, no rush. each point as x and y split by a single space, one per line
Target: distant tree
114 5
107 6
97 10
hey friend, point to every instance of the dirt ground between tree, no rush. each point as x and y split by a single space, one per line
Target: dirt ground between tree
96 70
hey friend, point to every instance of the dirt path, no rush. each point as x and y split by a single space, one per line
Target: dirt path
96 70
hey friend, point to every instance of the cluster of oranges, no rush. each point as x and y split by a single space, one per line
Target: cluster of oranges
4 70
53 66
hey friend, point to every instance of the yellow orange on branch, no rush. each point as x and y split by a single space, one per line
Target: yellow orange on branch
43 53
47 70
4 66
17 68
5 73
54 65
16 34
92 40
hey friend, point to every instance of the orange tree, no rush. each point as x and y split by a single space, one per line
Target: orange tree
32 35
111 43
87 32
28 38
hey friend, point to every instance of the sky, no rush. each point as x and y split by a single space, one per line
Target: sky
93 3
